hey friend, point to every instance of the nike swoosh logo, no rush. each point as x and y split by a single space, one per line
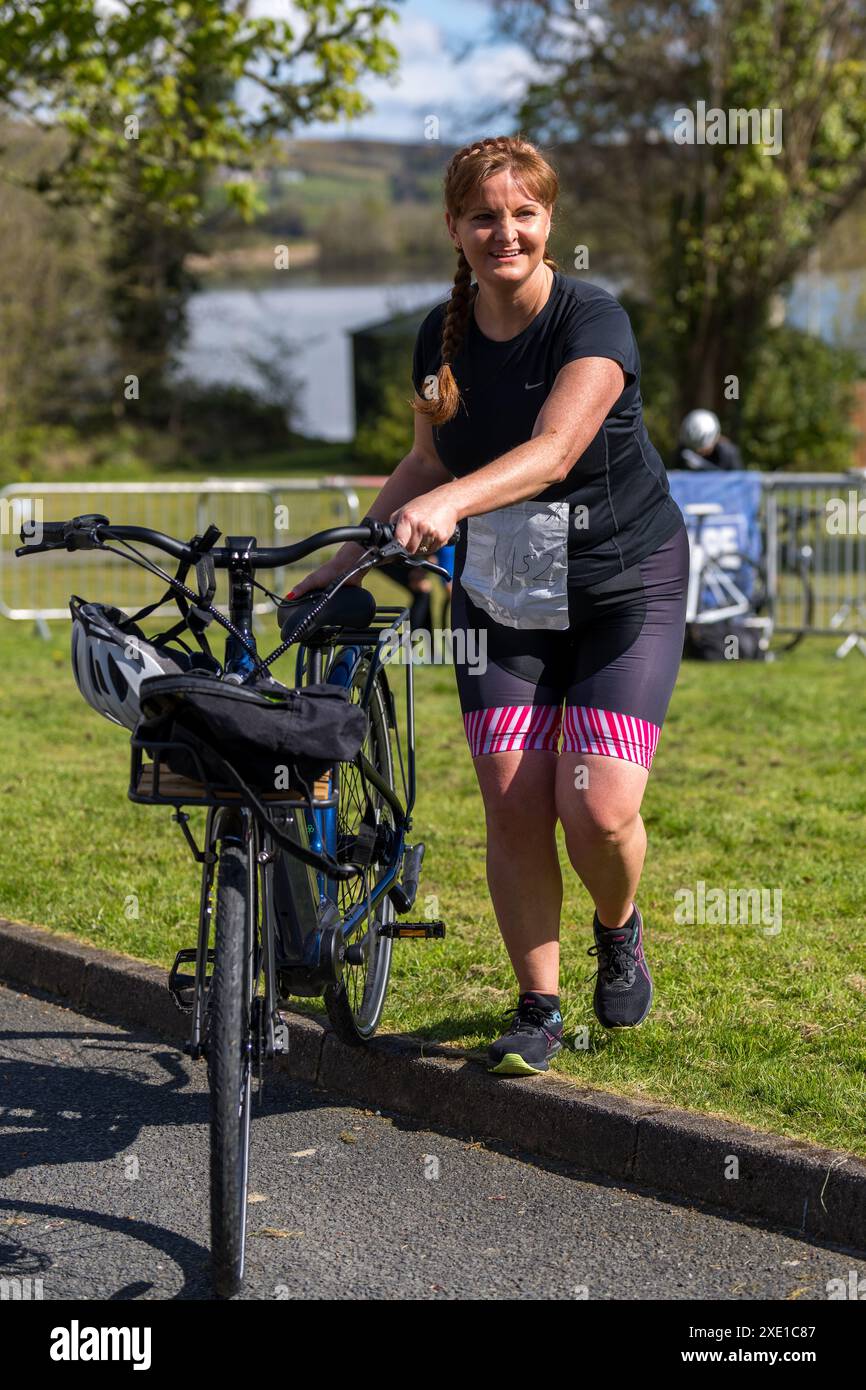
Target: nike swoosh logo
527 386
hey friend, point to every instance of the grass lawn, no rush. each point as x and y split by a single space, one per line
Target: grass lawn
758 783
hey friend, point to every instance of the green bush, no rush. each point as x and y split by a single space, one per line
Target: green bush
657 384
381 443
215 421
795 406
797 410
102 450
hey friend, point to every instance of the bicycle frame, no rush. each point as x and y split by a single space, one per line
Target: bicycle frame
355 648
305 914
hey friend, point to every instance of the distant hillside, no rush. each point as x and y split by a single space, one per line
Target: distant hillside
351 202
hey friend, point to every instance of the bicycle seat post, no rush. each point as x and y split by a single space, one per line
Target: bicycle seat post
700 510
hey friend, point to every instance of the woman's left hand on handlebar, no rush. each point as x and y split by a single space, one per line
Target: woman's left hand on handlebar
425 524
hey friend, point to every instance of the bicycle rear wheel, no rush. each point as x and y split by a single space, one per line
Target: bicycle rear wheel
355 1004
795 596
229 1053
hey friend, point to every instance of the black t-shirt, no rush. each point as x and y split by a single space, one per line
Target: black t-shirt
619 478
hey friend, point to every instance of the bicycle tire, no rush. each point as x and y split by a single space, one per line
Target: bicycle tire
790 640
230 1066
762 606
355 1005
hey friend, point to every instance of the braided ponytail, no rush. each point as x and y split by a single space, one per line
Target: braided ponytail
469 167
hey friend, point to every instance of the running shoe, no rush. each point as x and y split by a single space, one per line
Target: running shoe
623 986
533 1035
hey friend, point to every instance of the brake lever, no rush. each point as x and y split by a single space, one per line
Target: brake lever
81 531
35 549
393 550
428 565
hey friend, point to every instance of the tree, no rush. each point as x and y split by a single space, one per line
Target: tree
55 347
714 229
147 96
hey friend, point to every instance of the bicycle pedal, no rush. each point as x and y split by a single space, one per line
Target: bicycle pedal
413 929
182 987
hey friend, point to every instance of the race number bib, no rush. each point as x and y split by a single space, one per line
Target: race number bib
517 564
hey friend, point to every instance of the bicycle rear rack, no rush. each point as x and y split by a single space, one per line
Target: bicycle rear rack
154 784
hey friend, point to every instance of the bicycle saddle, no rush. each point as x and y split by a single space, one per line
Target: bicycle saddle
351 607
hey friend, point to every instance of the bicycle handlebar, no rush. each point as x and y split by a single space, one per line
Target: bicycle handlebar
87 532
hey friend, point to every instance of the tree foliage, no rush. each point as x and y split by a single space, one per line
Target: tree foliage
713 229
152 98
162 80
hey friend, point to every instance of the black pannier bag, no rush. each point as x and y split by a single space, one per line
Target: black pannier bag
255 735
242 739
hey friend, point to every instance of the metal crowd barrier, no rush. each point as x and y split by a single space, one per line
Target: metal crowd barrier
275 511
813 523
815 541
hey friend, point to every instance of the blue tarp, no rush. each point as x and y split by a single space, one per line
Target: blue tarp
736 528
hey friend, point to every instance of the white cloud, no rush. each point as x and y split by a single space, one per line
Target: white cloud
428 81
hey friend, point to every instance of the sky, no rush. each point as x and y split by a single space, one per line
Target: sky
434 77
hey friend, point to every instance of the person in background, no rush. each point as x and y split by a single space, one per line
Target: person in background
702 444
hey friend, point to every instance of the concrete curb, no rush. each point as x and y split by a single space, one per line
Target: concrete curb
816 1192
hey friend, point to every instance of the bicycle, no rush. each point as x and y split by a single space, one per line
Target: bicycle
795 565
714 594
306 888
732 586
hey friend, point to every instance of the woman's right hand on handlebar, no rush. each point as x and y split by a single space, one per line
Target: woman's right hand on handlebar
330 571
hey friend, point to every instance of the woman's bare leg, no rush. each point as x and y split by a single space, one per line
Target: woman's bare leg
523 873
604 833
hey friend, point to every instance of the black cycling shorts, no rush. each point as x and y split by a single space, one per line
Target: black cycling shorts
613 669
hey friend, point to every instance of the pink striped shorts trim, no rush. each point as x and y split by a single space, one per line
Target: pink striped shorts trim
509 728
516 728
588 730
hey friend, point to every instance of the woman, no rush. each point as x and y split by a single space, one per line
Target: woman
573 560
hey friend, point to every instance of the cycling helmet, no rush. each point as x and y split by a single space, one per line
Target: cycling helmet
700 429
111 657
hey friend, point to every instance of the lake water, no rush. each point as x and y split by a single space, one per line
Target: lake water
227 325
833 306
303 330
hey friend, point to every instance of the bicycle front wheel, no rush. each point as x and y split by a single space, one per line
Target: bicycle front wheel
229 1054
355 1004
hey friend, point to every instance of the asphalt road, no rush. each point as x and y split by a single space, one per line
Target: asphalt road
103 1195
